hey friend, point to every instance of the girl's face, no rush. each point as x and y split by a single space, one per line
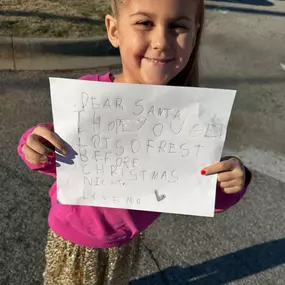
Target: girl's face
155 37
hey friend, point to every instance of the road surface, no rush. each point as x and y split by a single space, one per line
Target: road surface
246 245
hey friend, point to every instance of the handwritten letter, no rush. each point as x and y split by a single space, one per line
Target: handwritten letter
139 146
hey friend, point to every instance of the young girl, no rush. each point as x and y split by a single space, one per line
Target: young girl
159 42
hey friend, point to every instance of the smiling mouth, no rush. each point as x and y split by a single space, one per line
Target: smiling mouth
158 60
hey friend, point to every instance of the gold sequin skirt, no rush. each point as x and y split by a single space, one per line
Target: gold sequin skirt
71 264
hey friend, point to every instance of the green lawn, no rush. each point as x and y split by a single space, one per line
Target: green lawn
53 18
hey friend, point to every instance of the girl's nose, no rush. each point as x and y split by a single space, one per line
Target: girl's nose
160 39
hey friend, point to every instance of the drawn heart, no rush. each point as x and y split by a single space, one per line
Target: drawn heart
159 197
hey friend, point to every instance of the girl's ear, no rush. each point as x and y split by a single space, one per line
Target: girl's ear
112 30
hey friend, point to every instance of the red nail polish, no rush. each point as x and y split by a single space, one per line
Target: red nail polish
203 172
42 163
51 154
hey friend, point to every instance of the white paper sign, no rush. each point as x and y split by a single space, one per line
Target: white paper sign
139 146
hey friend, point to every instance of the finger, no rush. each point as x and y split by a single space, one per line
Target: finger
51 137
227 176
48 126
46 143
232 190
232 183
33 157
33 142
218 167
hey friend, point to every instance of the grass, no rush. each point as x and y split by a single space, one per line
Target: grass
53 18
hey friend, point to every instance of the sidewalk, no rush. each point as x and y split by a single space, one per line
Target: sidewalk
71 54
56 54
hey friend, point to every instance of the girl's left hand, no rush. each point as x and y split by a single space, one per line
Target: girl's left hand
231 174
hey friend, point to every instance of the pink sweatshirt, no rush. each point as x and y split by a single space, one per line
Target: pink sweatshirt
98 227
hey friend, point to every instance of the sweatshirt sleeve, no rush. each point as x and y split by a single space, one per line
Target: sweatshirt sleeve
225 201
50 167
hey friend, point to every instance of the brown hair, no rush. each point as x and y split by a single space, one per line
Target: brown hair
189 76
114 5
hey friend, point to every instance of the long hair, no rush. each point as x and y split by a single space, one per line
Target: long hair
189 76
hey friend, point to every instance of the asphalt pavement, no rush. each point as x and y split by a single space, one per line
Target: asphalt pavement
245 245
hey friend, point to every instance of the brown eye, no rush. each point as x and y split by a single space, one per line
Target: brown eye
145 24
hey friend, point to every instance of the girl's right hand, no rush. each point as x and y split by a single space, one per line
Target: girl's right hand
41 145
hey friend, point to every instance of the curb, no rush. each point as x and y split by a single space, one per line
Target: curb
56 54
